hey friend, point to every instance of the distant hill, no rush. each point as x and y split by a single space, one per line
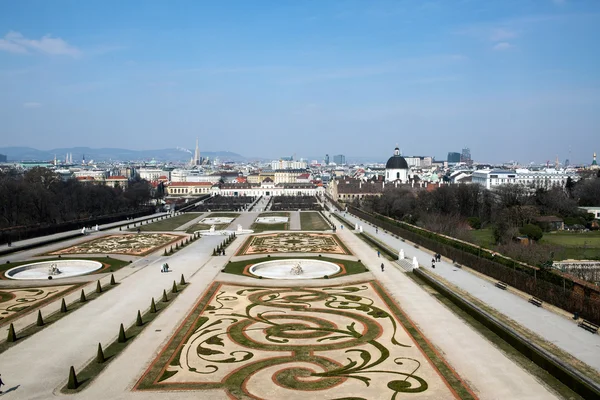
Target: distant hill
106 154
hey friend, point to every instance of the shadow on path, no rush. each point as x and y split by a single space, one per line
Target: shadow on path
10 390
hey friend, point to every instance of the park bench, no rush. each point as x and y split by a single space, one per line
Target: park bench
535 301
501 285
588 326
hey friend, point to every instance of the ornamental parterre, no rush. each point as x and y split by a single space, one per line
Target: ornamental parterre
292 342
293 243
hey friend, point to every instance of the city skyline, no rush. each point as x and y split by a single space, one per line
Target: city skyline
510 80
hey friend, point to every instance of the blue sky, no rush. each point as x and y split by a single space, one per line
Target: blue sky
511 79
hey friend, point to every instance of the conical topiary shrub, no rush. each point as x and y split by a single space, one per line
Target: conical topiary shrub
174 288
72 384
153 306
100 355
112 279
164 298
182 281
40 320
12 335
63 306
165 253
98 287
171 250
138 319
122 337
82 298
176 246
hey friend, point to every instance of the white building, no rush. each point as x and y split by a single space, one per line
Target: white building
396 168
544 179
151 174
288 164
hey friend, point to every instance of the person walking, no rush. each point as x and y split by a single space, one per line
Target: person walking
381 267
378 254
376 230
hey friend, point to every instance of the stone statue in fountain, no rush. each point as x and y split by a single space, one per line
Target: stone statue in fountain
296 269
239 228
212 229
53 270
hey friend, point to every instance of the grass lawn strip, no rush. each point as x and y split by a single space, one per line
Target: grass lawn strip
512 353
223 214
274 214
257 228
93 368
313 221
167 224
351 267
52 318
276 342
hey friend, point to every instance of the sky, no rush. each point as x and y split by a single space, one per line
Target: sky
510 79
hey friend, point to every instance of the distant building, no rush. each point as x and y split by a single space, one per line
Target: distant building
453 158
340 159
465 156
150 174
326 159
288 164
396 168
419 161
545 179
594 163
3 158
595 211
348 189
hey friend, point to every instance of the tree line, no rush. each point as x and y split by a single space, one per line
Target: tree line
511 210
40 197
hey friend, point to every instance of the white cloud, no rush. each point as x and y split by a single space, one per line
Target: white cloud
502 34
15 42
32 104
502 46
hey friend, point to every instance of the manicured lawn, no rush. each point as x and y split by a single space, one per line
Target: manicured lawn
574 245
582 246
483 237
313 221
223 214
284 226
275 214
352 267
167 224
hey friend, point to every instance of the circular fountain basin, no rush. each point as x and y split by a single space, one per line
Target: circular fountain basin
271 220
40 270
281 269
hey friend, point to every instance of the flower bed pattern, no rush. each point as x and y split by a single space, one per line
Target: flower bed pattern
15 302
293 243
134 244
289 343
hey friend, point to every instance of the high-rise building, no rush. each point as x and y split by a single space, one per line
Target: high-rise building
340 159
326 159
453 157
196 159
465 156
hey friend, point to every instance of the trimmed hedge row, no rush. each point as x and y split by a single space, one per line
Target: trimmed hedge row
541 283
